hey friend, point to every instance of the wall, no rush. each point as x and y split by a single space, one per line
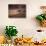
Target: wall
25 26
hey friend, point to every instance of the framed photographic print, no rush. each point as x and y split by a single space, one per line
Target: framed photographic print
17 10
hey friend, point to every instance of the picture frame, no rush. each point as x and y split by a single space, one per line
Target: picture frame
17 10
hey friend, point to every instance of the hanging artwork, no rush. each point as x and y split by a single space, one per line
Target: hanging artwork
16 10
42 17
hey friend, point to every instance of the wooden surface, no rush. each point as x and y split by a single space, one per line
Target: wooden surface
31 45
